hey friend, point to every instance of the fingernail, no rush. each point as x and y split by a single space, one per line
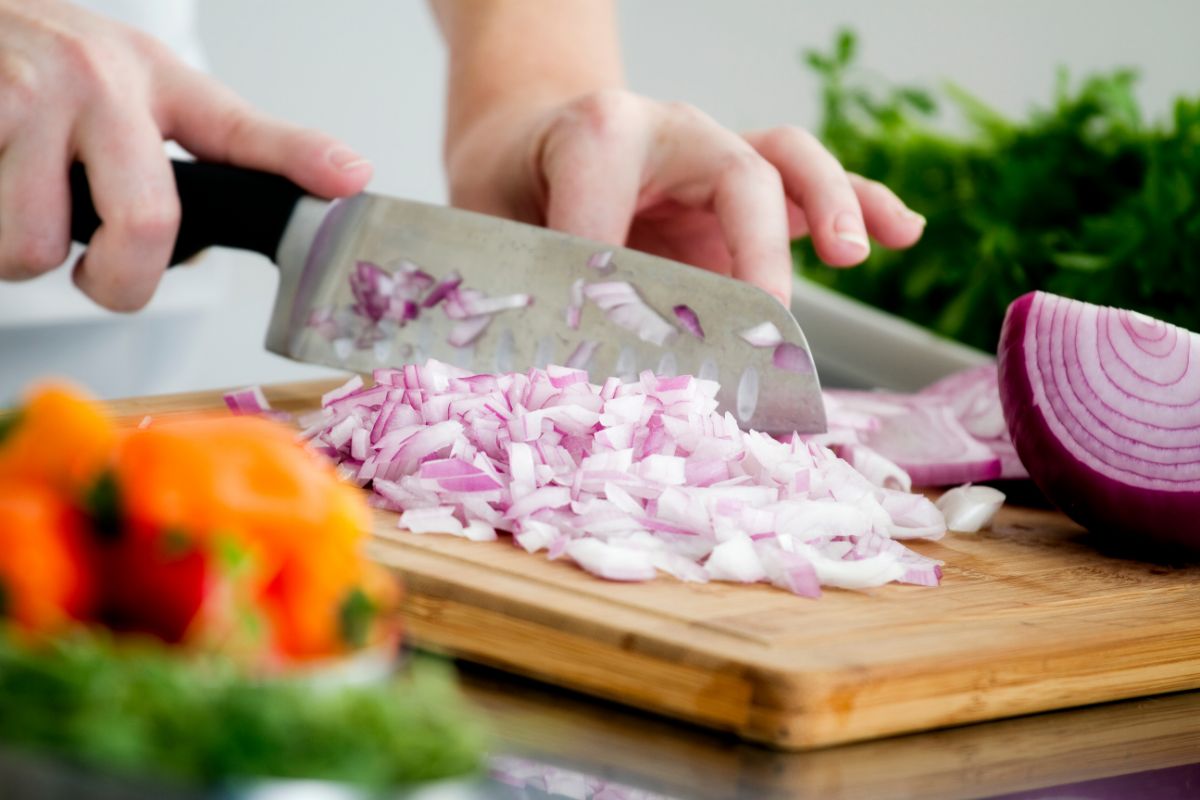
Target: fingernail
346 159
849 228
907 213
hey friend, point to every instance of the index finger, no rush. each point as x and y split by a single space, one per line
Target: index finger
820 186
133 189
749 204
214 124
706 165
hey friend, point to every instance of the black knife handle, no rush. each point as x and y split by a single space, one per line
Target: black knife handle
222 206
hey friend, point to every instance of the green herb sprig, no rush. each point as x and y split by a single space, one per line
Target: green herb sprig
138 708
1083 198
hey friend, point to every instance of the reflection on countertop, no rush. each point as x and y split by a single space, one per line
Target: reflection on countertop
1091 750
555 744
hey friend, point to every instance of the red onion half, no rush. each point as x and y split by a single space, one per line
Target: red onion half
1104 409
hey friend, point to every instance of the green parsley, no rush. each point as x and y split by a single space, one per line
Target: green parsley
1083 198
138 708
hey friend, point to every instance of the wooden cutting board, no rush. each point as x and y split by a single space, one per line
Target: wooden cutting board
1032 615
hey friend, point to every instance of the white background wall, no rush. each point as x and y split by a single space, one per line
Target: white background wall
371 71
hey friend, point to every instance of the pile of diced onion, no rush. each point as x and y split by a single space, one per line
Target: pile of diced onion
625 479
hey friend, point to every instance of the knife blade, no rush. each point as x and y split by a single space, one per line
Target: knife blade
317 245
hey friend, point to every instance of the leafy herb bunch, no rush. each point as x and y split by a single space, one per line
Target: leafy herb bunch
1084 199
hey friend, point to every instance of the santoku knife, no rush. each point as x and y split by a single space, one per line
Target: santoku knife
323 248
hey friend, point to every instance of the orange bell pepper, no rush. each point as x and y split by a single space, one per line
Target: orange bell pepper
246 479
60 437
45 561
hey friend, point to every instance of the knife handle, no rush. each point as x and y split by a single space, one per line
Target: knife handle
222 206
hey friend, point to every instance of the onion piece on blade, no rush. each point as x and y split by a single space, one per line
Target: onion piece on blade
602 262
689 320
574 313
764 334
624 307
1104 409
793 358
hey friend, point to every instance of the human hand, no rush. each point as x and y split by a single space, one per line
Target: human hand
76 86
667 179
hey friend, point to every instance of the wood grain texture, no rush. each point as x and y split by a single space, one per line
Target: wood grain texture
1032 615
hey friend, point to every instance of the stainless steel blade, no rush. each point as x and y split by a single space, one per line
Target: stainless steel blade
499 257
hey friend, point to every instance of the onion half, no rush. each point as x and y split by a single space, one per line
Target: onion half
1104 409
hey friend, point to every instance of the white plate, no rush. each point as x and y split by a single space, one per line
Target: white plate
856 345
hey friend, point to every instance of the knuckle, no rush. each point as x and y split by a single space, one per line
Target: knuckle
19 84
28 256
745 164
147 46
125 302
120 290
149 221
869 190
231 124
785 138
81 58
873 186
687 112
601 112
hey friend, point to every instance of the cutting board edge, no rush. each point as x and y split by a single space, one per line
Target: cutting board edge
799 707
859 705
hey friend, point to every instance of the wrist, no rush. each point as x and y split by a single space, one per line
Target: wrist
519 58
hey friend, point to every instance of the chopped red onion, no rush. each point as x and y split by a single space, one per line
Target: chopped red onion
764 334
441 289
793 358
250 400
948 433
624 307
602 262
974 394
467 331
372 289
385 300
325 323
689 320
625 479
574 313
464 303
735 559
968 508
614 562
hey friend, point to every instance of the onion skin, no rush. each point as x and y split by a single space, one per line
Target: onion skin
1100 503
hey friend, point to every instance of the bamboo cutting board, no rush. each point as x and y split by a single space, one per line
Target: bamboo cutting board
1032 615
